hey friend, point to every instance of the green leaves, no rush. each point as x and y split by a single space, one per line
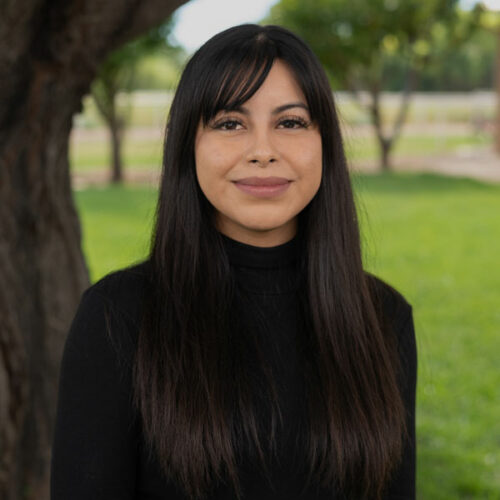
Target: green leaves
352 37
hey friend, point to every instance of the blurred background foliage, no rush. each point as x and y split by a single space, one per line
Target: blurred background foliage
435 28
367 49
470 66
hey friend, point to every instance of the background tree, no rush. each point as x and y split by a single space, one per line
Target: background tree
354 39
49 55
491 24
468 67
118 73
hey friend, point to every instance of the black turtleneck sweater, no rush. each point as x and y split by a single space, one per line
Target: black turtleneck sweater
98 450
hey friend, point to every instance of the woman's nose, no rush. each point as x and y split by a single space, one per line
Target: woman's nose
261 150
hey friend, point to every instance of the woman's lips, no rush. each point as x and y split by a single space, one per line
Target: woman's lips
263 187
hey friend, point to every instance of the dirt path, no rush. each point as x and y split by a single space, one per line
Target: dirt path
136 177
477 163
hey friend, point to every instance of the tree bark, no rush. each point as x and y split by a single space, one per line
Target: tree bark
49 53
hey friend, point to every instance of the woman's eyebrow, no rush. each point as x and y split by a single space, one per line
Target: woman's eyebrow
284 107
279 109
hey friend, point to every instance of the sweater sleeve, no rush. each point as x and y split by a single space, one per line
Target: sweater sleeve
402 485
94 449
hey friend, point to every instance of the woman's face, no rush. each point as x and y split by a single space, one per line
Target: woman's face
269 139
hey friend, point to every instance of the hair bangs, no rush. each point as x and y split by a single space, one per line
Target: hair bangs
239 79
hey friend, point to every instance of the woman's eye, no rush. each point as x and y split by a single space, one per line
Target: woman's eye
294 123
227 125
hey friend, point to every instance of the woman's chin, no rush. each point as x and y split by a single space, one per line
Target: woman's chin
265 227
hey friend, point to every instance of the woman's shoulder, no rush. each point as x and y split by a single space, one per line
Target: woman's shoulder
123 289
389 301
107 320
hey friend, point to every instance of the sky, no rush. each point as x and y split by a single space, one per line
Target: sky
491 4
199 20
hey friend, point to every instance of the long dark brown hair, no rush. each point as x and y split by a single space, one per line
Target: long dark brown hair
191 381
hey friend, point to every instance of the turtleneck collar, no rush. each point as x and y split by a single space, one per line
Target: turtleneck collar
243 254
265 270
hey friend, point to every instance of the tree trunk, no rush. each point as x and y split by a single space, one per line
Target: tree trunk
115 130
385 146
386 140
42 272
49 52
105 101
384 143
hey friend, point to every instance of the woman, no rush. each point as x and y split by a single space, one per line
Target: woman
250 356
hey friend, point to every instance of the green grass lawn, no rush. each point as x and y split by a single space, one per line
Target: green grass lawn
437 240
116 225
